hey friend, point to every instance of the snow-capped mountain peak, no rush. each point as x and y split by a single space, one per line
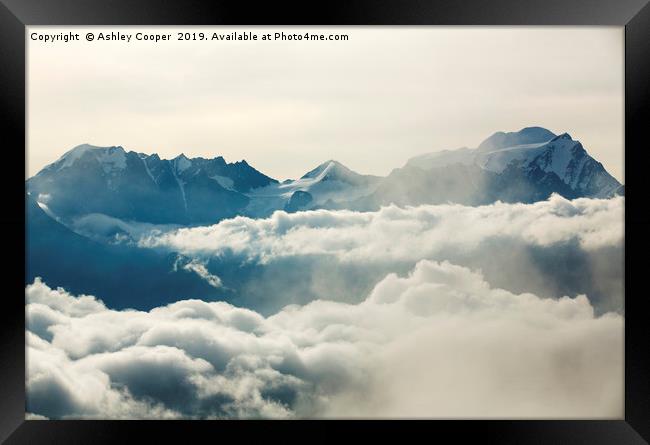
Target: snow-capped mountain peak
112 157
330 167
140 187
528 135
335 171
537 153
523 166
330 182
553 155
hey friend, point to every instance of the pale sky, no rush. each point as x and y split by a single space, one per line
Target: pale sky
372 102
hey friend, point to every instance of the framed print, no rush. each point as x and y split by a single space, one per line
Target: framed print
410 217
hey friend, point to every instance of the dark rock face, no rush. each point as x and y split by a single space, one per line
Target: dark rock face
536 166
77 207
123 275
299 201
138 187
524 166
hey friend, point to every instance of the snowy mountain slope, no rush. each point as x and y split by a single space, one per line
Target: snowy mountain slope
525 136
86 211
529 137
144 188
115 193
539 161
562 156
329 183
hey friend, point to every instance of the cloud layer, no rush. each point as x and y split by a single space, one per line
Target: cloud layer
551 248
404 233
436 342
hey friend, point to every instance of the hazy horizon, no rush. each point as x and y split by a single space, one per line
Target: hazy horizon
371 103
307 168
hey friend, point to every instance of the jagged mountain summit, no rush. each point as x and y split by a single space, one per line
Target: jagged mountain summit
524 166
335 171
140 187
91 187
327 185
536 151
94 204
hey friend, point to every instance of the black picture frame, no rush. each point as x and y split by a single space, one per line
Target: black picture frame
15 15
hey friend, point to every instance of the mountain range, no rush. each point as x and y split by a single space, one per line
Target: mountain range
138 187
86 211
524 166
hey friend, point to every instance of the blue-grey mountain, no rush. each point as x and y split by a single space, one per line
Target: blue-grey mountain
87 211
524 166
138 187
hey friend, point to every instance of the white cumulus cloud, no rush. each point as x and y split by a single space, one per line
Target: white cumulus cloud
403 233
199 269
439 341
552 248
